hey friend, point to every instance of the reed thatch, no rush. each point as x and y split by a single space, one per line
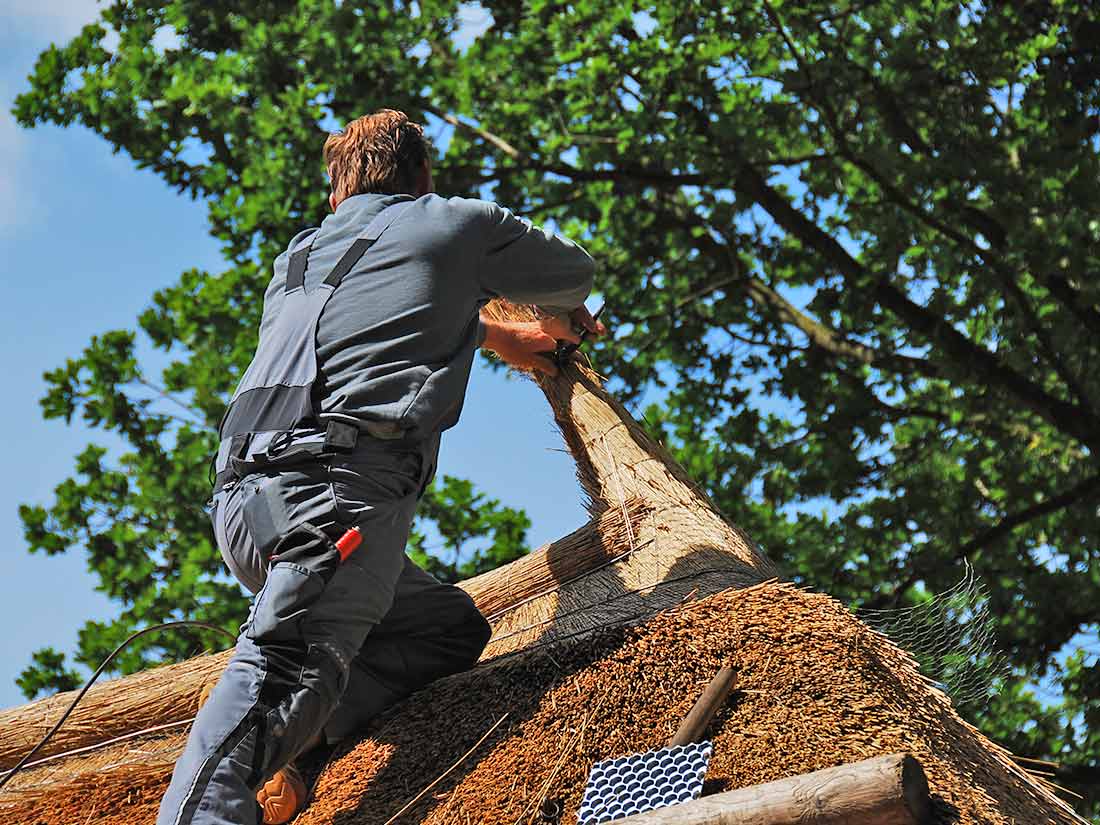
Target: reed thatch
816 688
170 694
601 643
154 697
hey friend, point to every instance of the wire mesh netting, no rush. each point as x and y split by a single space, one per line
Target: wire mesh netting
951 636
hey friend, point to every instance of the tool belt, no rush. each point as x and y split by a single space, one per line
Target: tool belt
274 449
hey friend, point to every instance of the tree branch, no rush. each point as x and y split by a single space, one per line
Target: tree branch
819 335
828 339
985 224
499 142
974 362
1006 525
701 292
657 177
1040 333
1045 507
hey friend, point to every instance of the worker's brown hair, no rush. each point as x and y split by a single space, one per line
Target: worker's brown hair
381 152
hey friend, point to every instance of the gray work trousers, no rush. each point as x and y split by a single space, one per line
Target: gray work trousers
326 645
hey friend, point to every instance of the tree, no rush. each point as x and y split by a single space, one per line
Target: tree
848 248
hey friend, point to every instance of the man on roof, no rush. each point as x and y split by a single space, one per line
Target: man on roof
368 334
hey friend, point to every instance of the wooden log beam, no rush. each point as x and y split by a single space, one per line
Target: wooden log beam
885 790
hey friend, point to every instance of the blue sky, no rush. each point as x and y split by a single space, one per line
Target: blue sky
86 238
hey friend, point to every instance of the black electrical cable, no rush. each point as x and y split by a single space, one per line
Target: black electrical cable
185 623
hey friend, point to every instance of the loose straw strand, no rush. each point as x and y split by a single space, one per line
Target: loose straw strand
622 498
439 778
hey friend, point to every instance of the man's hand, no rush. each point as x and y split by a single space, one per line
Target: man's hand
529 345
582 318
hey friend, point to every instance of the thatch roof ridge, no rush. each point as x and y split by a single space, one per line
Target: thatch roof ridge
654 537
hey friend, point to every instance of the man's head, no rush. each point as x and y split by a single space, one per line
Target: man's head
383 152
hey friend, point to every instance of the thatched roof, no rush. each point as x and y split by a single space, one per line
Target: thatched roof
602 641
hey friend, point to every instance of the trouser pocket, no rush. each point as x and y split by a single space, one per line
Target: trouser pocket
281 606
274 505
304 559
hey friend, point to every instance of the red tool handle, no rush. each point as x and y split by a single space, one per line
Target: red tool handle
349 543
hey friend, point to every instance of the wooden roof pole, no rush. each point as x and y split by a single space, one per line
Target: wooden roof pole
885 790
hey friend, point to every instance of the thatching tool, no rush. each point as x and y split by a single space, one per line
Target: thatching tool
565 349
629 785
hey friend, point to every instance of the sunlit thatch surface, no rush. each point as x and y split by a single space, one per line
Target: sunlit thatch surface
816 689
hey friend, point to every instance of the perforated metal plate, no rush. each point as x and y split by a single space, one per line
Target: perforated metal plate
629 785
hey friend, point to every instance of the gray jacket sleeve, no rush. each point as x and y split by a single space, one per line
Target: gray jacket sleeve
529 265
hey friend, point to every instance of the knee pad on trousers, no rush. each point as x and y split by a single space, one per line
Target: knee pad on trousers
474 632
299 692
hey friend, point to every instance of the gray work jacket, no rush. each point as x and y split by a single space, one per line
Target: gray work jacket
396 341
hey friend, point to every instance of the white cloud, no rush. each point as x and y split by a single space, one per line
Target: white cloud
54 20
17 199
34 25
